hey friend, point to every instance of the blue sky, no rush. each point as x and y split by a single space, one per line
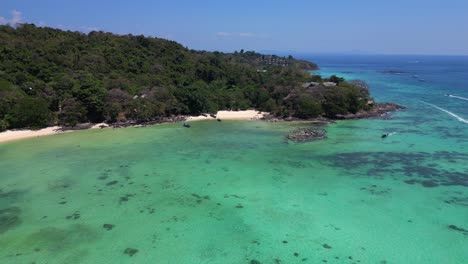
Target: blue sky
327 26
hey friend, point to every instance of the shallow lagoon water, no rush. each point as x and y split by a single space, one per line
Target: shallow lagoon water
237 191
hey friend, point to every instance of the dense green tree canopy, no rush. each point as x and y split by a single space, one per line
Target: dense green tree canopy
50 76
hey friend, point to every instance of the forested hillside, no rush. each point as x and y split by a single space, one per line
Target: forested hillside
49 76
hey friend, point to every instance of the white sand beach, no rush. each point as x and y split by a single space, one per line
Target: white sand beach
232 115
241 115
11 135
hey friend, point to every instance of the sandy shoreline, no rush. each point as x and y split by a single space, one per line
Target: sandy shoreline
11 135
232 115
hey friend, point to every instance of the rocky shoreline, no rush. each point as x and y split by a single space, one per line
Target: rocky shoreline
130 123
312 132
170 119
380 110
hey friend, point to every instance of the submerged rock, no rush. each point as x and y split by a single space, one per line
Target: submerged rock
307 134
9 218
130 251
111 183
326 246
76 215
429 184
108 227
459 229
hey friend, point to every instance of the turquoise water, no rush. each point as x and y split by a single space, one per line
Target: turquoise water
237 191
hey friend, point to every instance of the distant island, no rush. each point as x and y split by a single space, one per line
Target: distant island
54 77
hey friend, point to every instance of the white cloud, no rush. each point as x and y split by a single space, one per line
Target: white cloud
16 17
235 34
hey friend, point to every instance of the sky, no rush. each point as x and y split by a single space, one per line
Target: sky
299 26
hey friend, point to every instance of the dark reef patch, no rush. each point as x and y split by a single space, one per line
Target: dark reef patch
326 246
76 215
125 198
463 201
376 190
429 184
9 218
57 239
199 197
108 227
130 251
234 196
307 134
420 167
10 195
59 185
149 210
459 229
426 183
111 183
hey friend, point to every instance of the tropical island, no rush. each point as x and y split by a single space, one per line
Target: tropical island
54 77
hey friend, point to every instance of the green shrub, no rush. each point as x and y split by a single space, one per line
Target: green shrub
30 112
308 108
3 125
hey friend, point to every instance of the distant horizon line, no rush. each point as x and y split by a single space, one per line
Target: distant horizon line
356 53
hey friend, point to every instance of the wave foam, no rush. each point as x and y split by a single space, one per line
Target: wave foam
448 112
458 97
